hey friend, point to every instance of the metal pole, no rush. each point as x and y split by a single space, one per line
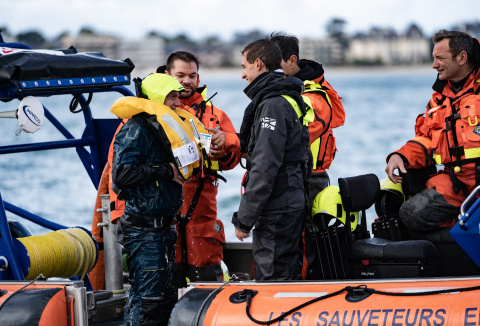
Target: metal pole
112 249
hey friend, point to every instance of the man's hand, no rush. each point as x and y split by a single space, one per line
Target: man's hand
395 162
217 143
241 235
177 177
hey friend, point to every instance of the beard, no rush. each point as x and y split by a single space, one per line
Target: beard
188 92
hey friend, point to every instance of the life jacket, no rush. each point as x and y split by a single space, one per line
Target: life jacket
179 133
323 148
455 131
202 109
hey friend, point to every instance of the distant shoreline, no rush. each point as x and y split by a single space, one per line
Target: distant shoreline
343 70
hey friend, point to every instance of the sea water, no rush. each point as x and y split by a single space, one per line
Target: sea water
380 104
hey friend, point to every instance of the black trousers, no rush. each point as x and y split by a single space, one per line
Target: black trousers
277 246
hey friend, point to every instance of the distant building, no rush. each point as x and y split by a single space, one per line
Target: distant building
472 28
327 51
385 46
147 53
108 45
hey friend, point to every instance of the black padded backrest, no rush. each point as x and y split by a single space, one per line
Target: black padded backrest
360 192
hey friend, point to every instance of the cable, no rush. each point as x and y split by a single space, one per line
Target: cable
23 287
360 289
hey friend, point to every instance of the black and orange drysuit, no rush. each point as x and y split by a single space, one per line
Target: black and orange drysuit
447 134
204 234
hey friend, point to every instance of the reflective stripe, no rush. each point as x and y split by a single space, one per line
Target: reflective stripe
472 152
215 165
311 86
315 148
310 115
297 109
176 128
437 158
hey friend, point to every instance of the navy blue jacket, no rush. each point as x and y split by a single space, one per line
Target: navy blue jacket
141 170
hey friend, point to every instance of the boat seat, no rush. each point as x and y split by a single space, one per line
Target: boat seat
383 258
358 194
454 260
383 249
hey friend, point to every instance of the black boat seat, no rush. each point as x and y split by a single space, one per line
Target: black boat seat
383 249
359 192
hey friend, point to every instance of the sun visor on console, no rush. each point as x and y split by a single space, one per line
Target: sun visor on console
25 71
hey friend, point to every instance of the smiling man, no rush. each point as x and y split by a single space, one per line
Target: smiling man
276 147
447 134
201 233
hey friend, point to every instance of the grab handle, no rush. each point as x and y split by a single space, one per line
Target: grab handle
464 216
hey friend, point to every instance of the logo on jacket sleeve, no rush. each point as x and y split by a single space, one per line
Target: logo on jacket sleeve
268 123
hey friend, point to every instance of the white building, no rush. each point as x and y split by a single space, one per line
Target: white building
385 46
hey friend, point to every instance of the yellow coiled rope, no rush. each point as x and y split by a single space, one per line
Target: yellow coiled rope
63 253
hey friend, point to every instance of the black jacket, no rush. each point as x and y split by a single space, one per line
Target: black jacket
276 144
140 169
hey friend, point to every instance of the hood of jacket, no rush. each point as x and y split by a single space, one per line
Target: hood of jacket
267 85
310 70
273 82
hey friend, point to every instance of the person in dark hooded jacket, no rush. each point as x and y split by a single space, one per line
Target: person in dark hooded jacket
145 176
277 154
326 114
326 104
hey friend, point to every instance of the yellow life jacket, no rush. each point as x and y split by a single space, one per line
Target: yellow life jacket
308 117
179 133
201 129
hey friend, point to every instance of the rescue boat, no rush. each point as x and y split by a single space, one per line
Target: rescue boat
354 278
358 279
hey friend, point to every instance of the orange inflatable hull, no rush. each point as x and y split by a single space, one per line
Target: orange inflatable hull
42 305
393 302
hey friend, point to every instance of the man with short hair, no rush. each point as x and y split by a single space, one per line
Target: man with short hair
327 113
199 248
447 134
276 147
326 104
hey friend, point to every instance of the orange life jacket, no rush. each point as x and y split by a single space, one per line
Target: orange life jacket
329 113
449 133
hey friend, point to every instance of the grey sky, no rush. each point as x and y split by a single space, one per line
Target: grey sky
305 18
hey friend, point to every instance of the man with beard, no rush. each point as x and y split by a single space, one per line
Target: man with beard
201 234
447 134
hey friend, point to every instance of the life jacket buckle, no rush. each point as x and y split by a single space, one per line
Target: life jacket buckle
473 124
